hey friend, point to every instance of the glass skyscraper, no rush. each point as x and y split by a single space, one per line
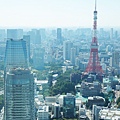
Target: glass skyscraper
16 54
69 106
59 35
18 82
67 45
19 95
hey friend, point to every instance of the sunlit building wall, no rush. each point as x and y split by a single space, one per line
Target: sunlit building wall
16 54
18 82
67 45
14 33
69 106
19 95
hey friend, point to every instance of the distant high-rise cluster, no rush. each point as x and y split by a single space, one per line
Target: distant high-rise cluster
35 36
59 57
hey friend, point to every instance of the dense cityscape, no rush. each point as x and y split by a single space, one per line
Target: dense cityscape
60 73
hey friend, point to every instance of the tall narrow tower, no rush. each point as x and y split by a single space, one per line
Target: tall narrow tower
94 63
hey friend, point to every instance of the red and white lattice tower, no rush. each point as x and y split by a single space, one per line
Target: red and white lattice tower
94 63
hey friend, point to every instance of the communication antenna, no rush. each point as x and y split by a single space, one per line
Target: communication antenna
95 4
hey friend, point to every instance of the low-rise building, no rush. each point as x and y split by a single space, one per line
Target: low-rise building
57 111
96 100
43 113
60 100
90 89
95 111
82 114
109 114
49 100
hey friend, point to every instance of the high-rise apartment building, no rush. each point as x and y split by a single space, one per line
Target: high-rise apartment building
111 33
38 58
35 36
73 56
32 36
16 54
67 45
59 35
43 34
38 37
115 59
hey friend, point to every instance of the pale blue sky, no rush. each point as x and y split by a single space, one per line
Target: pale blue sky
58 13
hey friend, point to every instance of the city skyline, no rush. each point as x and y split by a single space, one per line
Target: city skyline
62 13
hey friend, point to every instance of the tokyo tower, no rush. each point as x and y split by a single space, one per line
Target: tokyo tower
94 63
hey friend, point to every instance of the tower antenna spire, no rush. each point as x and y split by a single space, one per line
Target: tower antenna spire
95 4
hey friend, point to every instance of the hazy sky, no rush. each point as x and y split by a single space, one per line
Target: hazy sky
58 13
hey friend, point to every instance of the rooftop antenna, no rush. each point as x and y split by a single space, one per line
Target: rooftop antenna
95 4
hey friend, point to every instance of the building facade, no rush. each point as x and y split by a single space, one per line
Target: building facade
69 106
43 113
18 82
16 54
90 89
27 39
57 111
14 33
67 45
19 95
116 59
59 35
38 58
73 56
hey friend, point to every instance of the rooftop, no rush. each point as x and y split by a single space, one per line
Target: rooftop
110 114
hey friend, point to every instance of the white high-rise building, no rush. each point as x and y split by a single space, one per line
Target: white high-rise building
56 110
67 45
73 56
38 58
